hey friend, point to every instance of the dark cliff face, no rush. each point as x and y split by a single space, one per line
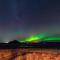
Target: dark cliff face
13 42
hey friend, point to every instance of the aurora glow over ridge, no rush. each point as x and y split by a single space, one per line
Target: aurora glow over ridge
32 38
39 37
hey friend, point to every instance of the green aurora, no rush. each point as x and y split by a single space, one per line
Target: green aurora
39 37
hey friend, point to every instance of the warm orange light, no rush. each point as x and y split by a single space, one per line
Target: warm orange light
35 55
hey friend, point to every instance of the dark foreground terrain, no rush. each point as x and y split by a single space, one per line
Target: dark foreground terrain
16 44
30 51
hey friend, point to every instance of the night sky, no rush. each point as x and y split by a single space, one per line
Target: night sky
19 18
